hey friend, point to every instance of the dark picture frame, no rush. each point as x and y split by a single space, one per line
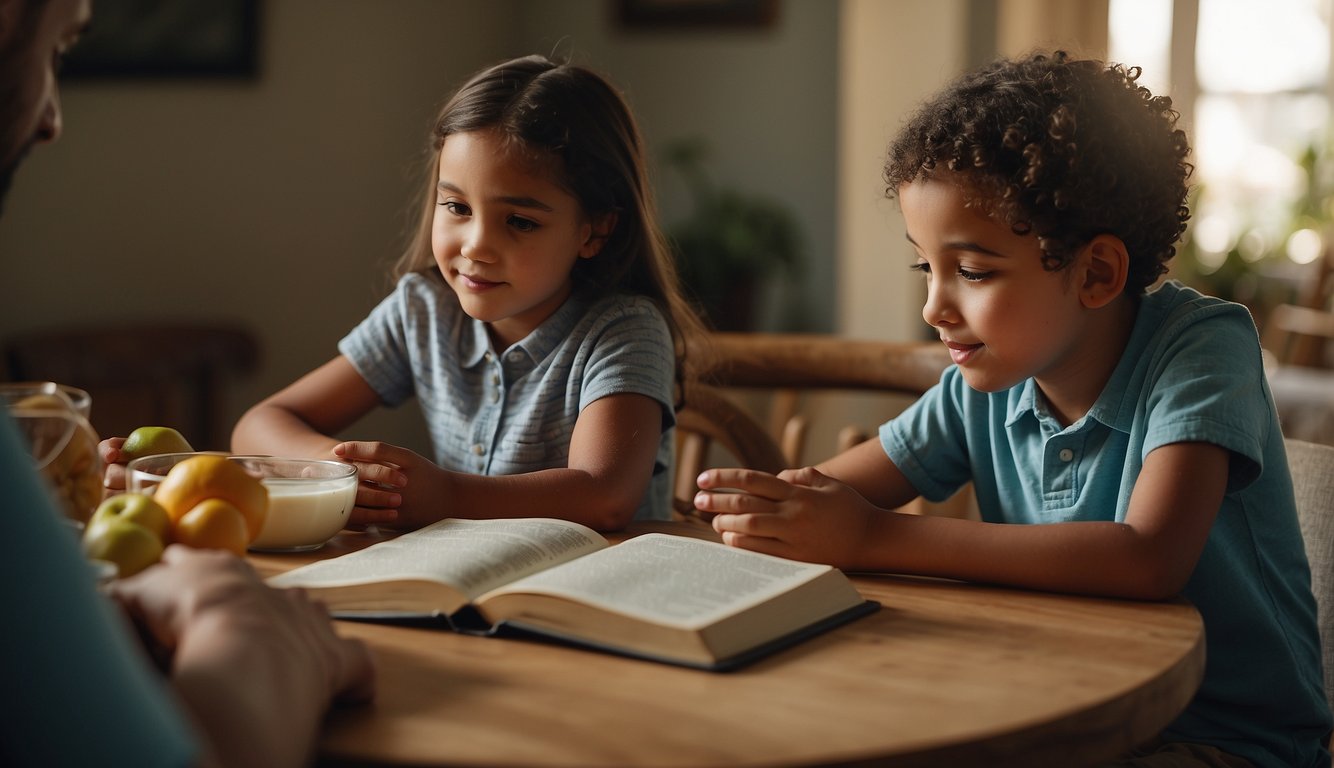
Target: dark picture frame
168 39
696 14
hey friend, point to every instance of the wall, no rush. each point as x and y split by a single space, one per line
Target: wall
765 99
280 202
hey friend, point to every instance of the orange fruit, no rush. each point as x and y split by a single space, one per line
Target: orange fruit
213 524
211 476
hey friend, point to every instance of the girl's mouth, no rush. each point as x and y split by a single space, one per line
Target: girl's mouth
476 283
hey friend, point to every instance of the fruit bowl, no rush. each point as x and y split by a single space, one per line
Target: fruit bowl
309 499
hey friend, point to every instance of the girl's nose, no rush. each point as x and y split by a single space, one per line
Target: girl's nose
477 245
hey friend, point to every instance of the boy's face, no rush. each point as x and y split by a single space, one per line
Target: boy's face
29 101
1003 317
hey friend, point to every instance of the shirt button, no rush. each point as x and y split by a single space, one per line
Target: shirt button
495 378
495 397
1066 454
477 449
514 356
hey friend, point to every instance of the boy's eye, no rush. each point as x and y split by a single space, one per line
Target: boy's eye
921 267
455 207
971 276
522 224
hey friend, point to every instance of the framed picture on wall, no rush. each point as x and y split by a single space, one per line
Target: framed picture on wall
168 38
696 14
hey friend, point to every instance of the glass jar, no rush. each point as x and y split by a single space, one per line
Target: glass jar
53 419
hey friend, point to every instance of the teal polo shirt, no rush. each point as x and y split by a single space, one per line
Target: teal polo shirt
1191 371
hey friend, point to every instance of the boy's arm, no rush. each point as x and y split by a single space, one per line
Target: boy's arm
612 453
807 515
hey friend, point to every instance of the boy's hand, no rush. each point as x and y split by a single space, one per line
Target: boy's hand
799 514
398 487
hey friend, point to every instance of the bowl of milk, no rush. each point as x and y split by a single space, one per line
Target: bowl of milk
309 501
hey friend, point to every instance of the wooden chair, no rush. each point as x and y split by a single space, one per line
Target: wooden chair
787 368
1312 467
1297 335
170 375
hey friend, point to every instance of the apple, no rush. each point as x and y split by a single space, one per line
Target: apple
151 441
129 546
137 508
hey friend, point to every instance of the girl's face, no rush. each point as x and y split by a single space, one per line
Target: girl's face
1003 317
505 235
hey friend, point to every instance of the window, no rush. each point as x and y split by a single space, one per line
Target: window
1257 109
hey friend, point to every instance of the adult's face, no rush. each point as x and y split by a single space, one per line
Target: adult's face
34 36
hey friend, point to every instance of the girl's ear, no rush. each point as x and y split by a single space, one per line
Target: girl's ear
600 228
1104 264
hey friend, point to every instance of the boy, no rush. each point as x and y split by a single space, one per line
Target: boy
1120 443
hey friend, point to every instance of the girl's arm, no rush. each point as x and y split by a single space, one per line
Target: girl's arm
808 515
612 453
299 419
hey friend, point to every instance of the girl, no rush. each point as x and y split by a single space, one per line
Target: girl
536 318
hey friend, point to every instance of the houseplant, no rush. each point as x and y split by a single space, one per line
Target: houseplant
730 244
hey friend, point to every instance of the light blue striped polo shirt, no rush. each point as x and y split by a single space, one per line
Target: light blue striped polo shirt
1191 371
504 412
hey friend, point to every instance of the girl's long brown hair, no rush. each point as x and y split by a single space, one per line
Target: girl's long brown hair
571 117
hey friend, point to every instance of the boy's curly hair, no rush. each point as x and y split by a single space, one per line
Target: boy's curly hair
1066 149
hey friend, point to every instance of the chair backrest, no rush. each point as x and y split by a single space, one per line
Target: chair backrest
785 366
1312 467
1298 335
170 375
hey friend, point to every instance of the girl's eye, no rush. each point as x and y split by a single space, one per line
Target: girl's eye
971 276
522 224
456 208
921 267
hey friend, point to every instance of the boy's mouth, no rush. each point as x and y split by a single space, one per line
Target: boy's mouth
961 353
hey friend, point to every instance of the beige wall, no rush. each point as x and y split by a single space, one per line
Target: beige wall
280 202
276 202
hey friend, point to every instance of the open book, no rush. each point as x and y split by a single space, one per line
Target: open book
668 598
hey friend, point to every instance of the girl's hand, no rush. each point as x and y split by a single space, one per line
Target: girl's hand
799 514
113 478
398 487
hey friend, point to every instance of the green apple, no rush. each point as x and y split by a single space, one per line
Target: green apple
128 545
151 441
136 508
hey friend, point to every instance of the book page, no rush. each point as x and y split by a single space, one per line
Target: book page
668 579
473 556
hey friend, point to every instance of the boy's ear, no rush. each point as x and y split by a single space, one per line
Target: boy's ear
601 228
1104 263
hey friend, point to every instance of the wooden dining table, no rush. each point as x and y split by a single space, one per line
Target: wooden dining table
944 674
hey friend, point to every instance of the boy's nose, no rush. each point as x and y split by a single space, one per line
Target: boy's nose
937 311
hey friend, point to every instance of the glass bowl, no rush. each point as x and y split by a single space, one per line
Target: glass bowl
309 499
53 420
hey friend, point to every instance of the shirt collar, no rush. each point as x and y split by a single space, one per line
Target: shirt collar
536 345
1116 406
